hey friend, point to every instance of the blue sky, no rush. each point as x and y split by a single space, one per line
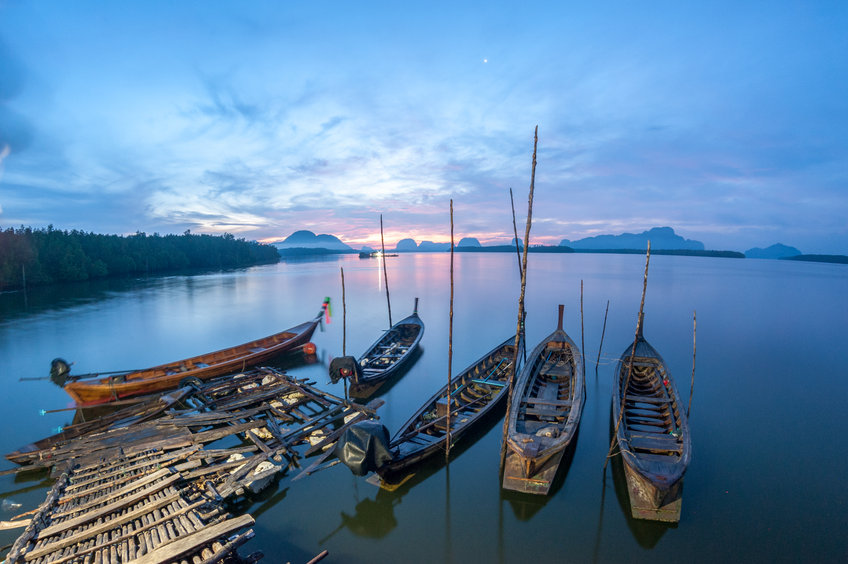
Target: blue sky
724 120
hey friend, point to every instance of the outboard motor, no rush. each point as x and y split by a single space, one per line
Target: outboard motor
345 367
364 447
59 370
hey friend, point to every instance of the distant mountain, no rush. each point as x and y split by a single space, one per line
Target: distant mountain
430 246
662 238
308 240
776 251
469 242
406 245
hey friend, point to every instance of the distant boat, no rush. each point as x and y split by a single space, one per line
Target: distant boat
547 403
375 254
96 389
387 356
476 391
653 436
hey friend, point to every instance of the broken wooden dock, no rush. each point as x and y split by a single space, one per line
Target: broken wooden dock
149 483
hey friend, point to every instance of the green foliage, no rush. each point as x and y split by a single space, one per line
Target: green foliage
46 256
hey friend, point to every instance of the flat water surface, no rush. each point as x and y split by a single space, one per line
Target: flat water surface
768 416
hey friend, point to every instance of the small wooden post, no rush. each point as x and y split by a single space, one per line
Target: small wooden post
385 270
632 354
694 349
515 231
23 274
603 332
519 325
450 344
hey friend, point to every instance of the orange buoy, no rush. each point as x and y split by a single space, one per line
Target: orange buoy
309 348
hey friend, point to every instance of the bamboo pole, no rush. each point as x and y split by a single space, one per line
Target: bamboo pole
603 332
385 270
450 345
519 324
344 327
694 349
632 354
515 231
344 315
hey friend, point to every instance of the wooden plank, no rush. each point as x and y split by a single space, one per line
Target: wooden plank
540 401
105 510
647 399
655 444
99 529
186 545
137 483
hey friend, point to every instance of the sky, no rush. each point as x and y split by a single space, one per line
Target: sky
727 121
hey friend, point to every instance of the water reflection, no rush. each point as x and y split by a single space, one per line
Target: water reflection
375 518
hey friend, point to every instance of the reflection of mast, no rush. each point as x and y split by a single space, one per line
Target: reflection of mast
500 527
447 515
600 517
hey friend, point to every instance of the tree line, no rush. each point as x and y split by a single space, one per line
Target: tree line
45 256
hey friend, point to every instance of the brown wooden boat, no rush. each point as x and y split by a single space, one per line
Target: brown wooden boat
98 390
547 403
653 435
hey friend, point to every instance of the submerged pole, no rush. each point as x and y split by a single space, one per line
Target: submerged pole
519 325
385 270
515 231
450 344
694 349
632 354
601 346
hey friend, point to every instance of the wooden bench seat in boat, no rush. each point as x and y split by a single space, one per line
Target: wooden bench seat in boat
647 399
556 369
655 442
542 401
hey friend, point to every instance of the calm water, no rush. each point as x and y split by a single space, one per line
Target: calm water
768 417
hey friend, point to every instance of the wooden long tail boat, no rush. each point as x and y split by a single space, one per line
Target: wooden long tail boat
653 435
475 392
547 403
98 390
388 355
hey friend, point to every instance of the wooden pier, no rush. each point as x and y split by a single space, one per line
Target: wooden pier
149 483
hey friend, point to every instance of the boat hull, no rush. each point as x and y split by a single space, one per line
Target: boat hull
169 376
423 435
650 502
381 362
545 413
651 430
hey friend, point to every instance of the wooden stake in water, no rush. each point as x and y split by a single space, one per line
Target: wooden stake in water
515 231
450 345
385 271
632 354
519 325
344 327
344 315
603 331
694 349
